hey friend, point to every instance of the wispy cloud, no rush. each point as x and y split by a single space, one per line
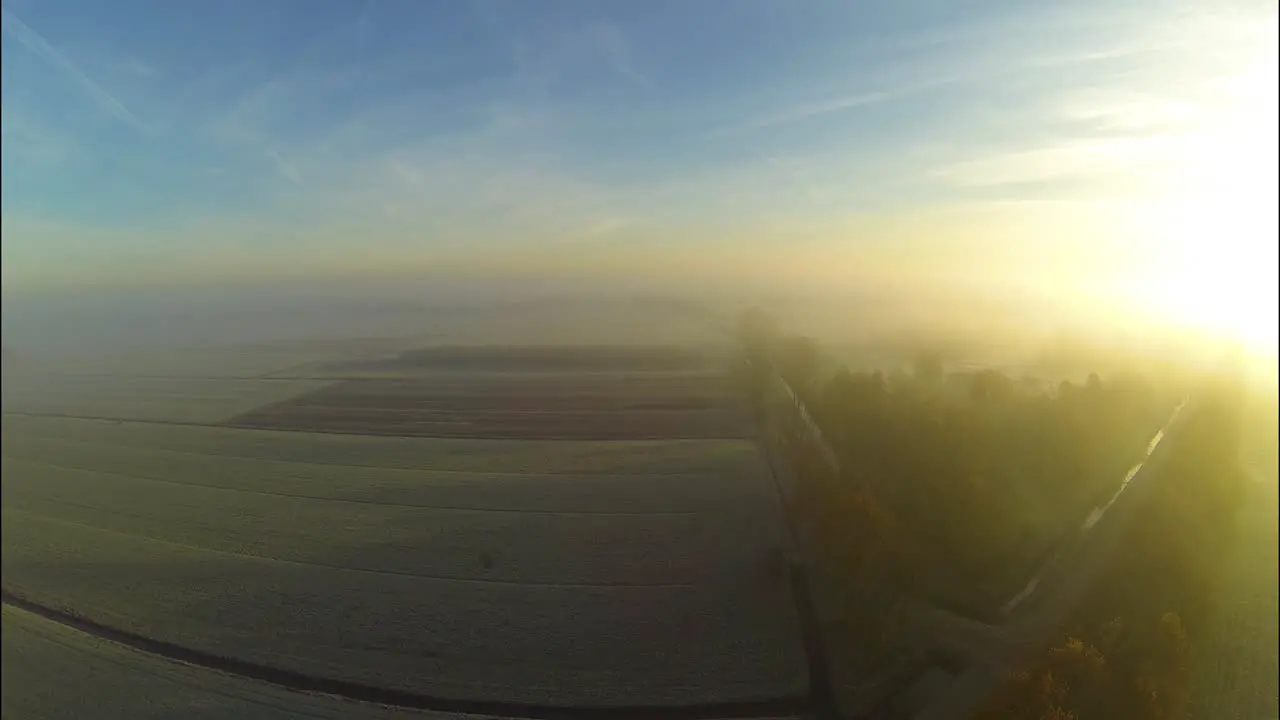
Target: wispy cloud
252 122
137 67
1130 111
284 167
616 49
1072 160
33 41
35 143
976 57
433 131
936 77
806 111
794 173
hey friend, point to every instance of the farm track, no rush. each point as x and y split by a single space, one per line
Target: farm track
768 709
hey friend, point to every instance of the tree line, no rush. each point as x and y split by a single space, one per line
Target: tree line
978 471
955 484
1129 648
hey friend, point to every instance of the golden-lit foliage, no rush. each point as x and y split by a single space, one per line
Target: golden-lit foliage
944 480
1146 675
1158 592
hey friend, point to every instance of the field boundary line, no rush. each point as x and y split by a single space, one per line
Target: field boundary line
773 709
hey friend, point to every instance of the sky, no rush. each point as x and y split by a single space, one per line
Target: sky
1086 147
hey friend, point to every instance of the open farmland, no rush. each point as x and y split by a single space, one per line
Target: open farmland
112 682
195 385
246 361
533 359
532 408
579 558
159 399
540 392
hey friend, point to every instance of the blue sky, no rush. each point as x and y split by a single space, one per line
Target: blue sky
206 140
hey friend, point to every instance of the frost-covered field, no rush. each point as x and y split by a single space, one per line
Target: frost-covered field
561 572
147 398
112 682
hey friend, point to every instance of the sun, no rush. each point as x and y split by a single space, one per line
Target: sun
1214 267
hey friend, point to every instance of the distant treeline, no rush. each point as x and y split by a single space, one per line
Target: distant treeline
980 473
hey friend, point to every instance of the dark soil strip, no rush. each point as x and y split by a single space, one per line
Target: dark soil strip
779 708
